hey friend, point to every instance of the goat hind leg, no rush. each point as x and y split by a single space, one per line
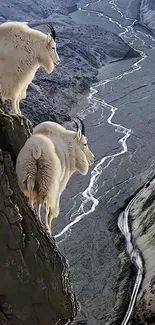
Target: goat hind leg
50 218
52 215
39 208
30 203
54 208
46 218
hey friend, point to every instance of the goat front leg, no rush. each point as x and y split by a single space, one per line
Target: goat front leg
15 111
18 108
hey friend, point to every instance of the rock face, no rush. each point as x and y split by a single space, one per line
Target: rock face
34 282
147 13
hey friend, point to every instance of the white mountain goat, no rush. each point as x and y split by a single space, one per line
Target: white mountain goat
47 161
22 51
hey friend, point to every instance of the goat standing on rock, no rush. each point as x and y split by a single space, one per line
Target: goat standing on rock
22 51
47 161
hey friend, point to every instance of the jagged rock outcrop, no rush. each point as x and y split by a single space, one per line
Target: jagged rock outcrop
34 277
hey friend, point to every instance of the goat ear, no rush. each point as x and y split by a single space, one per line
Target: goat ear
48 38
79 134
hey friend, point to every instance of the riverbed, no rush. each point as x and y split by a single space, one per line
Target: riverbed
119 118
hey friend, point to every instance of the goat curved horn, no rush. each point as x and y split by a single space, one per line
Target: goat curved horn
53 33
82 126
77 125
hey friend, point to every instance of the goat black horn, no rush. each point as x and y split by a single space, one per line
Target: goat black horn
77 126
82 125
53 33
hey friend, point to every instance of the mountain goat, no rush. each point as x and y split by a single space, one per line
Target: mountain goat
47 161
22 51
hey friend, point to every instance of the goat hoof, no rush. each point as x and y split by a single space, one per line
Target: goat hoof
48 231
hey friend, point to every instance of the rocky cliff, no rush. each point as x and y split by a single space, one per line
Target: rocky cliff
142 215
34 277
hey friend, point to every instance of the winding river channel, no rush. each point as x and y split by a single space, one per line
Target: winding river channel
117 141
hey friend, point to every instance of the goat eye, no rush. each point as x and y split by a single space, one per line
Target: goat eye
53 48
85 144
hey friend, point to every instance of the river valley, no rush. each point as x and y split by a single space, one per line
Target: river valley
120 127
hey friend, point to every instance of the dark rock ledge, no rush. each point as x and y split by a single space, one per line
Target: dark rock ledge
141 222
34 277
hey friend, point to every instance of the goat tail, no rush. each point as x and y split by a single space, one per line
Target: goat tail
31 179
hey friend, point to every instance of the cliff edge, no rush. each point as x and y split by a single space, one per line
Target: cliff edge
34 283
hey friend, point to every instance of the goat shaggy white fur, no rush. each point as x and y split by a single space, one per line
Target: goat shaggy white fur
47 161
22 51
